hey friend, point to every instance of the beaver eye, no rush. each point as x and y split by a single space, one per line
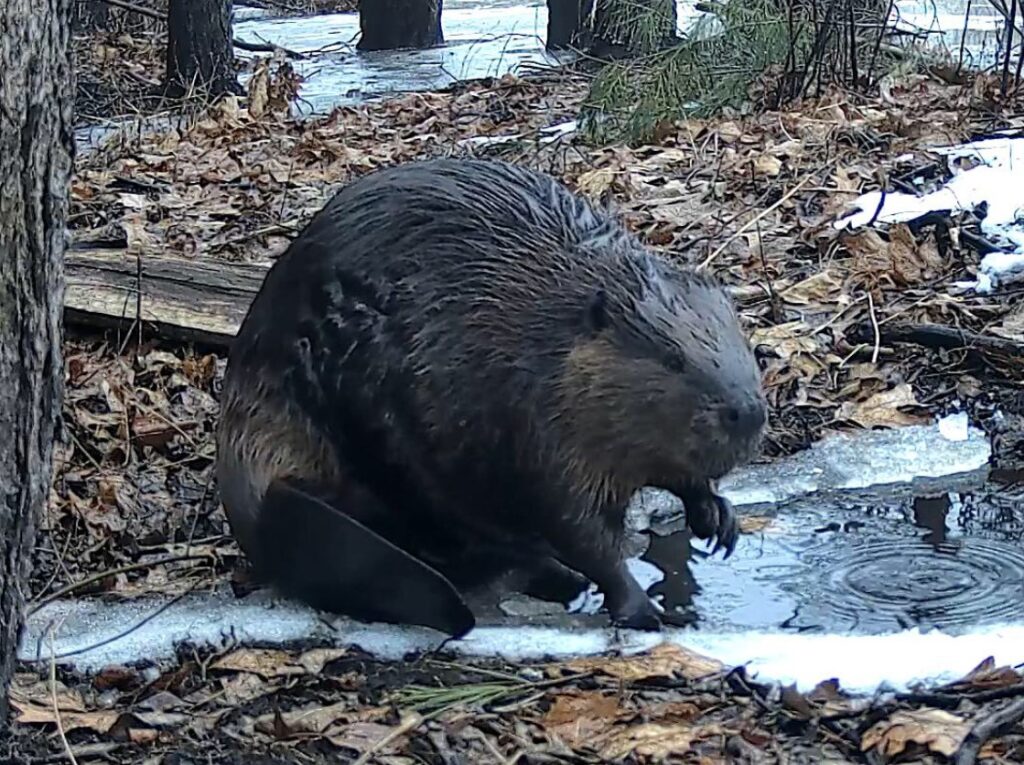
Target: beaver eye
675 364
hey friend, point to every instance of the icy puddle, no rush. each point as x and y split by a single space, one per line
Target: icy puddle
884 558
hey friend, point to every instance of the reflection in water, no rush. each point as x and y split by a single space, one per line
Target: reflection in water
930 513
850 568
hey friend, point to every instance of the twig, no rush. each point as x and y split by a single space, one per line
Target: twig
772 297
74 586
986 728
410 723
752 221
56 706
874 326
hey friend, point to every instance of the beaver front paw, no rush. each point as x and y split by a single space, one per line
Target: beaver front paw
711 515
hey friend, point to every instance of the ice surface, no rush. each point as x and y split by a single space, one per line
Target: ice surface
861 663
913 456
91 633
998 181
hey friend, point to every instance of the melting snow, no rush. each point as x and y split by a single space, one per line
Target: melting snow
997 181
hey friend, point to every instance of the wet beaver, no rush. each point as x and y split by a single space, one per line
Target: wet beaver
460 368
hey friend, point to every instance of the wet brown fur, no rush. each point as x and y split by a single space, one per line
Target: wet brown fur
486 354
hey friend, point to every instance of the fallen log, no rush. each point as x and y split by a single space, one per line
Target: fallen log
179 299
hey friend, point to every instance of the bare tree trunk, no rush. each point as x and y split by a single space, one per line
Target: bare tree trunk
390 24
36 149
199 51
568 24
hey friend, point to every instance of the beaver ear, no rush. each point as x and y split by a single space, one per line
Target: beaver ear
596 316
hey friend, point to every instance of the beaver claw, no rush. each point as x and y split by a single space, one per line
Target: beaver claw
710 515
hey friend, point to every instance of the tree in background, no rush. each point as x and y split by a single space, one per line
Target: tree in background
36 148
568 24
200 55
390 24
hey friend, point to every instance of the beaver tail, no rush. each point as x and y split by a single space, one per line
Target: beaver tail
312 551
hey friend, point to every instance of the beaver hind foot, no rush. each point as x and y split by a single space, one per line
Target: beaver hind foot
314 552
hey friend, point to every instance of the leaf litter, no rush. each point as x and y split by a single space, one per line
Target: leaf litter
134 510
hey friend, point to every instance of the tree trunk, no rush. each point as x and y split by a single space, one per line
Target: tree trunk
390 24
568 24
36 145
634 27
199 51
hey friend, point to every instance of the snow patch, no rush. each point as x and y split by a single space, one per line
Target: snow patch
997 181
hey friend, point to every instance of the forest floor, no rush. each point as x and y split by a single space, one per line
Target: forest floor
834 316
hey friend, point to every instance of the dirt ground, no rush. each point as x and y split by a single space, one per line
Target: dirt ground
836 318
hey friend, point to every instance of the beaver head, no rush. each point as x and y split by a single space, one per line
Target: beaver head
661 388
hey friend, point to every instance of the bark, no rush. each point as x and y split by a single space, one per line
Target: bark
568 24
391 24
36 145
199 51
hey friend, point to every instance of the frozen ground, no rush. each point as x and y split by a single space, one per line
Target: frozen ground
90 634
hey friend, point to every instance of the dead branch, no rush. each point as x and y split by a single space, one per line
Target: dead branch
986 728
937 336
265 48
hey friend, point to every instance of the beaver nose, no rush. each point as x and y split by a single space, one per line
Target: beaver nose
745 419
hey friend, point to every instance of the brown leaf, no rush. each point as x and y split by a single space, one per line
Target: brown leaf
883 409
935 729
100 721
787 340
265 662
576 718
259 91
988 675
652 741
269 663
595 183
664 660
360 736
768 165
142 735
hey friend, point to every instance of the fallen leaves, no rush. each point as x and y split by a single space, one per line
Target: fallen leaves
666 660
935 730
885 409
270 663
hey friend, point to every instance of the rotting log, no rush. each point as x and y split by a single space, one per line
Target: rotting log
36 144
179 299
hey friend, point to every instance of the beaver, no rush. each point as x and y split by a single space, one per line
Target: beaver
460 367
